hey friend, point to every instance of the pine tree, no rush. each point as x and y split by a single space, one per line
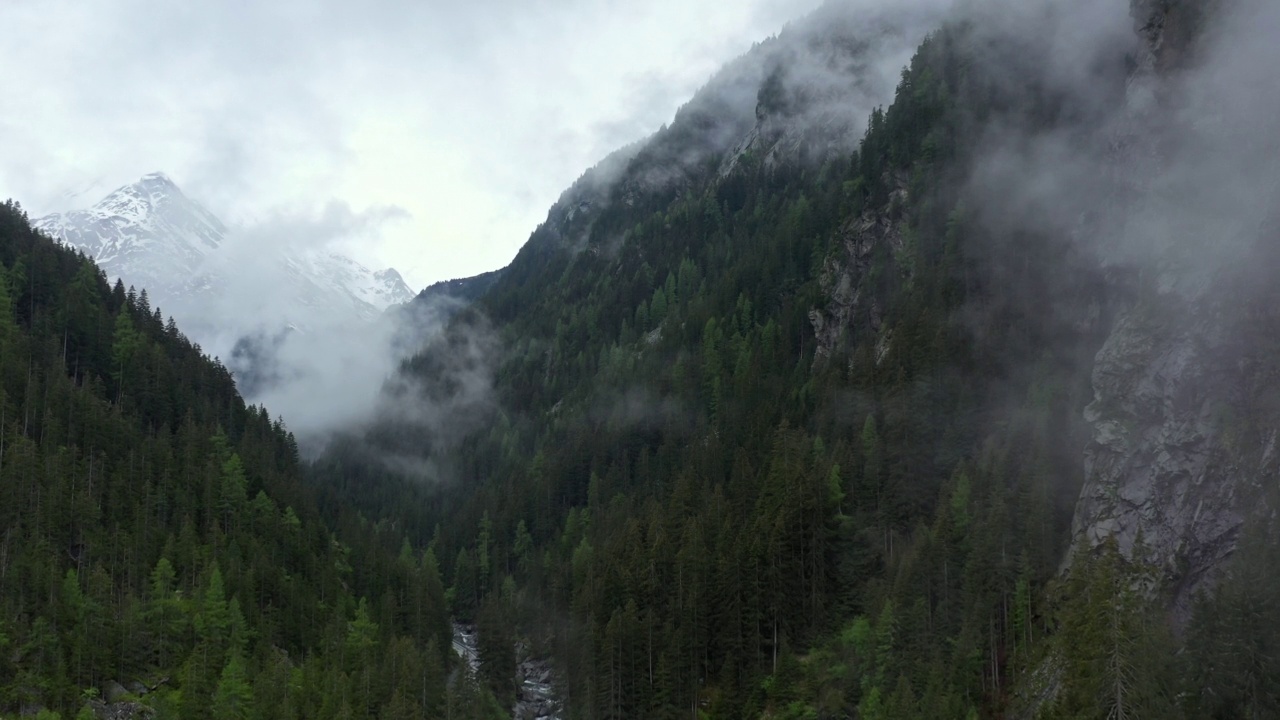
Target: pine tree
233 698
495 646
124 345
1115 649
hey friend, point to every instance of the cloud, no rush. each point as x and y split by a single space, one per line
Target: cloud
472 116
431 402
1170 174
314 356
1143 178
445 392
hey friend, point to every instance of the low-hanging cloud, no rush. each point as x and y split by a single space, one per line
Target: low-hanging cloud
806 91
433 399
312 355
1172 174
1147 166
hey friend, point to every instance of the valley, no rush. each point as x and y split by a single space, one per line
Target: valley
920 367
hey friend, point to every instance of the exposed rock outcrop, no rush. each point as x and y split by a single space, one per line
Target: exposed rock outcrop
535 696
535 688
1179 454
1157 466
124 710
850 307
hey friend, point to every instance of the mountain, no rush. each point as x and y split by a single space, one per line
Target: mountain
1181 461
153 236
271 305
437 303
866 392
148 232
326 282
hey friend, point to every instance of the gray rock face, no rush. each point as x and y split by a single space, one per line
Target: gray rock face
114 691
848 307
536 697
1157 465
1168 29
1179 453
121 710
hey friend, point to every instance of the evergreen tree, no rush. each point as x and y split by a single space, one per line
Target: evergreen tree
233 698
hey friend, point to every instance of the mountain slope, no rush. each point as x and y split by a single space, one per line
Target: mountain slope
464 290
669 467
159 553
1184 418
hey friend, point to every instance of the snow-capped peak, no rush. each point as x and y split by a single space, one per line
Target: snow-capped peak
151 235
148 233
322 275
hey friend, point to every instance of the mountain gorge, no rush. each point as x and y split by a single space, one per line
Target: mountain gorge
921 367
789 425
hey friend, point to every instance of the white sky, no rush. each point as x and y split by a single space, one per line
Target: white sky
471 117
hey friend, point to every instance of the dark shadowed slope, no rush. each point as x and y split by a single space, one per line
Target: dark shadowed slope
159 553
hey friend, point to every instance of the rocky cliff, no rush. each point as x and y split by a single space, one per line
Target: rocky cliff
1183 443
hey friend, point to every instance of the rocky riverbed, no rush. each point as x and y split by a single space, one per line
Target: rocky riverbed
535 698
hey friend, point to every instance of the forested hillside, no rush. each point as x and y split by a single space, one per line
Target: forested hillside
159 553
710 501
797 433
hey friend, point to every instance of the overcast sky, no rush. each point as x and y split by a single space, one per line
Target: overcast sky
469 116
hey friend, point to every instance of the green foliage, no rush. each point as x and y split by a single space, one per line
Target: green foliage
1231 667
129 551
496 648
233 698
1116 651
124 346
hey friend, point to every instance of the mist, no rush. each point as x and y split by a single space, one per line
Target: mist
803 94
1142 212
333 374
317 358
1148 171
1179 163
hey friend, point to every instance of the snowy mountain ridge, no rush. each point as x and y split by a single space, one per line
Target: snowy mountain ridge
151 235
147 233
